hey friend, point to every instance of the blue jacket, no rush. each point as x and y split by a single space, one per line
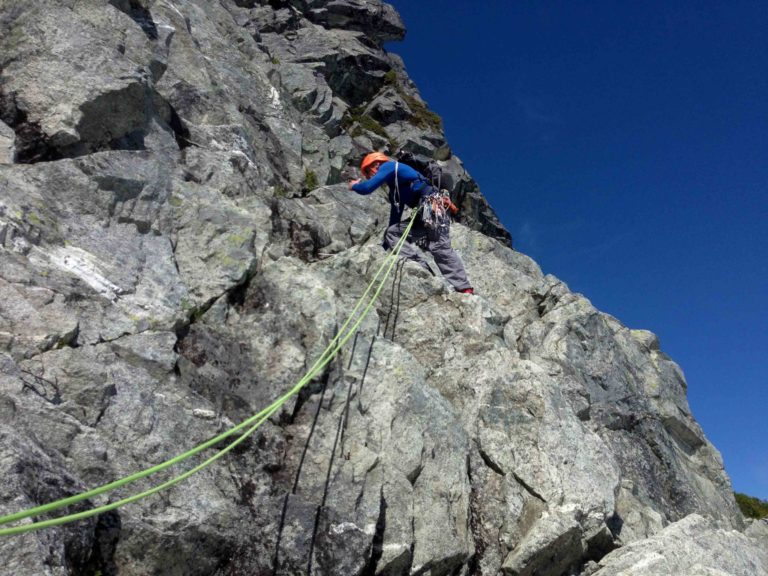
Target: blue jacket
411 184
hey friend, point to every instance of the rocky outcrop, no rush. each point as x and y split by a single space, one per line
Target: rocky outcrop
177 246
691 546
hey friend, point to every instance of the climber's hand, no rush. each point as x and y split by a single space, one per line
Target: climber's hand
352 183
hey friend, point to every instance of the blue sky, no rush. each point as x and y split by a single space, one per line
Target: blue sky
625 147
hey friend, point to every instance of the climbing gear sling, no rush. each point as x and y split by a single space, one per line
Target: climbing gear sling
435 215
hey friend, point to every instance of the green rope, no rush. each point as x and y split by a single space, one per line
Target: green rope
257 419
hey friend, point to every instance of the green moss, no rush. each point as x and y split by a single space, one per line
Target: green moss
196 314
176 201
423 117
362 123
350 117
752 507
275 61
371 125
390 78
33 219
227 260
310 180
280 191
237 239
366 124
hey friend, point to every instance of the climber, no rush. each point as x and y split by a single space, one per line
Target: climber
407 188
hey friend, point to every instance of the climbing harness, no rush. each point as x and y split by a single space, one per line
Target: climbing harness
347 330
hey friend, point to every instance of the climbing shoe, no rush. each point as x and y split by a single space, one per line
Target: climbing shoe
466 291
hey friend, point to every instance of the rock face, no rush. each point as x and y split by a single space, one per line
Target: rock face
177 247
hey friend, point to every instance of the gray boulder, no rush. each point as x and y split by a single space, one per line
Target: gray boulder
692 546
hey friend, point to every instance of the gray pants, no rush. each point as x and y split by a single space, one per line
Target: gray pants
445 257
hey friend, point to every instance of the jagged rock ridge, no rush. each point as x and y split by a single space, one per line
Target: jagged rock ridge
177 246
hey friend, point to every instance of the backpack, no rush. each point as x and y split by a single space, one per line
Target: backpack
430 170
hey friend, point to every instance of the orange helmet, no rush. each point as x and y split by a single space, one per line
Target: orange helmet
370 159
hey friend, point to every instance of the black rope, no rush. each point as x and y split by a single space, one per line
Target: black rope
340 429
394 296
276 559
365 369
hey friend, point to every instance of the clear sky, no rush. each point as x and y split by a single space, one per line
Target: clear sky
625 147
